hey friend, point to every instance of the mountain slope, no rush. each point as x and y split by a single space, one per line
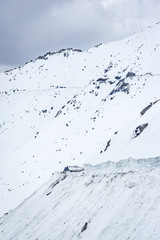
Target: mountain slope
73 107
113 201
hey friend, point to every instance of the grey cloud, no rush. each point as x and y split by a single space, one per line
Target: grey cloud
31 28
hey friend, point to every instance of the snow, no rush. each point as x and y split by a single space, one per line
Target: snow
54 112
115 200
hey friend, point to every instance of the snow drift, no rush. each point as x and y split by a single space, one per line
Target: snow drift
109 201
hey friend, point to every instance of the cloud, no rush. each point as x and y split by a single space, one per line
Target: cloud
109 3
31 28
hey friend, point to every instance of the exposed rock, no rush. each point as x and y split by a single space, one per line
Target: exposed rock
45 57
121 86
110 82
48 193
98 45
109 67
36 134
63 177
130 74
73 169
148 107
84 227
139 129
118 77
58 113
107 146
44 111
102 80
66 54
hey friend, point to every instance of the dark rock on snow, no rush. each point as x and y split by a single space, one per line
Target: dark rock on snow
84 227
139 129
130 74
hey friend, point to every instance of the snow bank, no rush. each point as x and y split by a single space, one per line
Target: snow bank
109 201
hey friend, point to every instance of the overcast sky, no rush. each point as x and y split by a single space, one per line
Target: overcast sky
29 28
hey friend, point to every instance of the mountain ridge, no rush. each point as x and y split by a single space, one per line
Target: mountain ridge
79 108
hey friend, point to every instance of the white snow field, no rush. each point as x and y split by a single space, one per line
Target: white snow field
110 201
71 108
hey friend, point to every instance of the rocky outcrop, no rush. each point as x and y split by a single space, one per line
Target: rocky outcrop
148 107
108 145
102 80
73 169
139 129
84 227
121 86
130 74
45 57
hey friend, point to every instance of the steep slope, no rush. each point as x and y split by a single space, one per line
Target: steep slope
108 201
73 107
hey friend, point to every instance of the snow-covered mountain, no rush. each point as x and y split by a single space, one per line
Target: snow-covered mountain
74 107
108 201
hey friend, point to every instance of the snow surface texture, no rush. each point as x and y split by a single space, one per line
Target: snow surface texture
73 107
109 201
